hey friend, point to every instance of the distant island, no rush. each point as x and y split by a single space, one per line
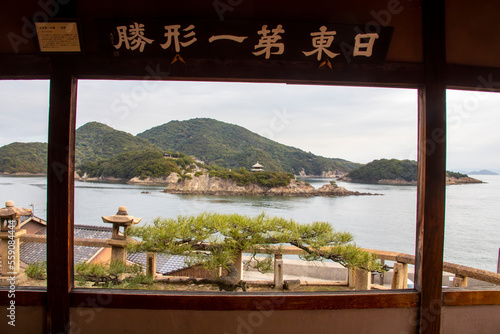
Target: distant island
483 172
181 174
397 172
209 184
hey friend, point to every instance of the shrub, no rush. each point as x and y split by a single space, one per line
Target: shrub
242 177
37 270
106 274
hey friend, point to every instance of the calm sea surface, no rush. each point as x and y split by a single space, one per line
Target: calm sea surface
380 222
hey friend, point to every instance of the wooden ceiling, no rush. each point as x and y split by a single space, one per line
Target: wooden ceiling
473 45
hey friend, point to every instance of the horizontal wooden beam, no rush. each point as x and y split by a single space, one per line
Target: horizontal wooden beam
390 74
154 300
24 67
41 239
200 69
24 296
392 256
475 78
479 274
471 298
27 296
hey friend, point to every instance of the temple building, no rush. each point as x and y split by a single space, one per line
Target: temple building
257 168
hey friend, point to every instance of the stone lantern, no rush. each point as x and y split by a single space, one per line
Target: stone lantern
10 232
119 240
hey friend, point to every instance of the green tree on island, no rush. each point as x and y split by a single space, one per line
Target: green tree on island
214 240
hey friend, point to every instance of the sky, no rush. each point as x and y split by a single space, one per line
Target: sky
353 123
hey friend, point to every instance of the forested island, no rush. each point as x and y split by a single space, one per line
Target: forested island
394 171
216 143
259 184
186 150
181 174
23 158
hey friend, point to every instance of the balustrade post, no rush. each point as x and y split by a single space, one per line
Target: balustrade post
400 276
151 265
459 281
382 275
360 279
498 262
278 271
238 262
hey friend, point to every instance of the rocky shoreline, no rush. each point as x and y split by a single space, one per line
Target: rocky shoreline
462 180
206 185
296 187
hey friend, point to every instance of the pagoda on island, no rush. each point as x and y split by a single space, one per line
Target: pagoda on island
257 168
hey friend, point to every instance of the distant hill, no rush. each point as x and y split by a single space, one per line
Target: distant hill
232 146
29 158
216 143
396 171
483 172
96 141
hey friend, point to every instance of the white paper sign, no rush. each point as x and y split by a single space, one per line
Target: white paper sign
58 36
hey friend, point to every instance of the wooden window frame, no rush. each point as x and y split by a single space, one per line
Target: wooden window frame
430 78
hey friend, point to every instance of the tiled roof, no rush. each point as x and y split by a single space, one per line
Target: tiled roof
165 264
31 252
24 218
93 232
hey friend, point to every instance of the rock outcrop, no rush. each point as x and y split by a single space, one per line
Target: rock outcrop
462 180
206 185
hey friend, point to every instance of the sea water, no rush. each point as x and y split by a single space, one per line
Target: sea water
383 222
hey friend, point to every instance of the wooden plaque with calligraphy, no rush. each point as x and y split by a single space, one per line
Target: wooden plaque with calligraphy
323 43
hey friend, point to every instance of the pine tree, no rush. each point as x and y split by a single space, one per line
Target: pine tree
214 240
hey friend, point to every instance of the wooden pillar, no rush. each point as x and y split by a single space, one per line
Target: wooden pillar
400 276
151 265
60 193
278 271
431 168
